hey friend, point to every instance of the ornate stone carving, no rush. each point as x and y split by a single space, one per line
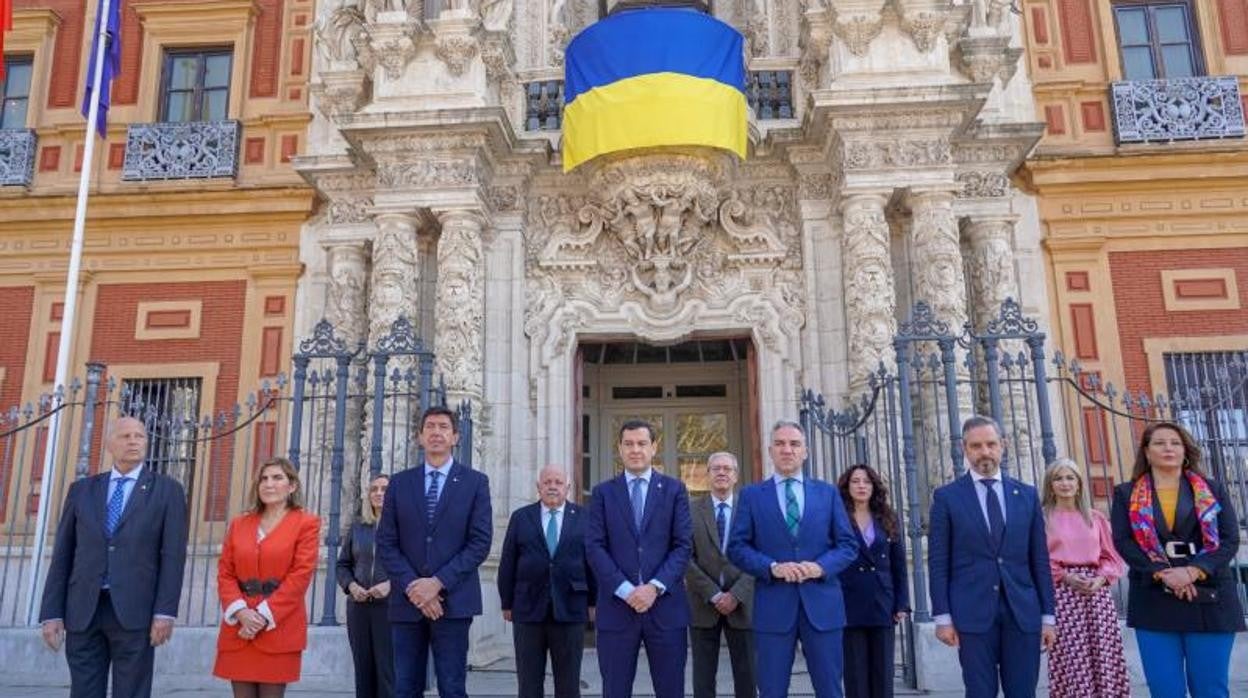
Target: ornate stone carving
396 273
342 91
503 198
459 332
497 57
924 28
936 256
982 185
991 267
870 295
858 31
339 34
345 304
427 172
393 46
984 58
496 15
869 155
456 52
815 186
347 210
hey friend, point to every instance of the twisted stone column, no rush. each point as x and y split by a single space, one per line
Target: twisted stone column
870 294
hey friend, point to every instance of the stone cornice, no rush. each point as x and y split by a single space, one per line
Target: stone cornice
1158 171
284 203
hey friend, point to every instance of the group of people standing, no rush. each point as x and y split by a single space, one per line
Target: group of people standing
786 560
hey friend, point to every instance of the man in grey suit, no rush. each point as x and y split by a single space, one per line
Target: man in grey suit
720 595
113 587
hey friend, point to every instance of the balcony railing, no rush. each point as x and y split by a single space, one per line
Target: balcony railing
17 156
1149 111
770 94
183 150
543 105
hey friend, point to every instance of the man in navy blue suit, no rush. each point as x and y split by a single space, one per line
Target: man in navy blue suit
638 541
113 587
434 533
546 587
992 591
793 535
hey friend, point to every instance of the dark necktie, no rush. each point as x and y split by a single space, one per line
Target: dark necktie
431 496
639 501
721 524
792 513
116 503
996 518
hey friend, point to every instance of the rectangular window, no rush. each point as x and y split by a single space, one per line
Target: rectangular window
1157 40
15 89
169 407
196 85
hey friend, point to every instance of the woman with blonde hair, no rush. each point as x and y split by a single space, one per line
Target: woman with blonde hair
367 588
267 562
1088 660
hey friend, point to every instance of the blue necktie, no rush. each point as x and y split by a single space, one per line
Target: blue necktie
116 503
996 519
792 513
552 533
639 501
431 495
721 524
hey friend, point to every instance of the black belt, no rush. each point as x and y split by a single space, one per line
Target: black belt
258 587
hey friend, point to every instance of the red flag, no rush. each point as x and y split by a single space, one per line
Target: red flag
6 23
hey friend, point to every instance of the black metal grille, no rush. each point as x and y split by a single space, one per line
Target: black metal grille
169 408
771 94
1209 396
543 105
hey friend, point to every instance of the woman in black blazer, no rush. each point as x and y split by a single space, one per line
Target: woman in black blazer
1177 530
364 580
875 586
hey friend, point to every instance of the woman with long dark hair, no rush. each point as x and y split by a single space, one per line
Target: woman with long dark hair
1088 660
1176 528
364 581
875 585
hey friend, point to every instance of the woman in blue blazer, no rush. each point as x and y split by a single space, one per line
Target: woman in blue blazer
875 585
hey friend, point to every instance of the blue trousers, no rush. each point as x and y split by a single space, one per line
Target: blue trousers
448 637
1004 658
618 652
1175 663
824 657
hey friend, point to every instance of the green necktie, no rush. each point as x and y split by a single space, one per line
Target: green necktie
552 533
791 513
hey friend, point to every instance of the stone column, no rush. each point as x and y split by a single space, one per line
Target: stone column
936 256
346 261
393 294
459 327
870 298
993 276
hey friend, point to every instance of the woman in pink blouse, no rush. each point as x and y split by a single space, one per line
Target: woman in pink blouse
1087 661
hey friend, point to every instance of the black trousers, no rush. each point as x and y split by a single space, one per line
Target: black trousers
565 642
869 661
104 643
704 643
372 651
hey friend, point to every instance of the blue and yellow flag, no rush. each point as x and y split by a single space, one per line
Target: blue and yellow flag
653 77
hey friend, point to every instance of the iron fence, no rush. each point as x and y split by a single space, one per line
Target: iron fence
321 417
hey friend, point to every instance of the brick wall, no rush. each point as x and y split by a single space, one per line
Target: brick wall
1140 304
16 310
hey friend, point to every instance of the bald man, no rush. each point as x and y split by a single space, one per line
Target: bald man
113 587
546 587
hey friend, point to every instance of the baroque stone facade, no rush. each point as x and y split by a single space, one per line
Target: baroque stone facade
890 185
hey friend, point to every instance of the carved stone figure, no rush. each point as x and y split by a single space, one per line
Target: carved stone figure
936 256
459 332
870 299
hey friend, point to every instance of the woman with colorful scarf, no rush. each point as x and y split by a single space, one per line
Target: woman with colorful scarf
1087 661
1176 529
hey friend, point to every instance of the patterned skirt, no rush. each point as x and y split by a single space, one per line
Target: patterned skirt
1087 661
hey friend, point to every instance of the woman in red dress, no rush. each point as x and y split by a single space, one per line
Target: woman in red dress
266 564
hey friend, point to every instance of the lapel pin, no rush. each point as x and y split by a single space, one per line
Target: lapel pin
1015 491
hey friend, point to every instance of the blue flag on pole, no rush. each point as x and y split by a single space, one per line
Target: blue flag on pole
112 64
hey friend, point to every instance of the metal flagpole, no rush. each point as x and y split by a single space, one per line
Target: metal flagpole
67 318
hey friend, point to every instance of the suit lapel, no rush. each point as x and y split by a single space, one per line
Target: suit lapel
570 518
773 504
653 492
620 488
1159 519
99 499
1016 510
706 516
139 493
1183 519
970 495
451 485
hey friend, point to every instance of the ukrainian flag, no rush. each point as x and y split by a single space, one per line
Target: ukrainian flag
653 77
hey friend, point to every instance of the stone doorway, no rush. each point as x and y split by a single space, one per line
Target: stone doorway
696 393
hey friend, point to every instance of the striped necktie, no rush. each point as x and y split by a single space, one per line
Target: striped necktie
116 503
431 495
792 514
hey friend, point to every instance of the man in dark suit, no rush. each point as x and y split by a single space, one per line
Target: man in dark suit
793 535
638 544
434 533
113 587
546 587
720 595
992 591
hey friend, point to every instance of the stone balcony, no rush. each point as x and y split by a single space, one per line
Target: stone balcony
1160 111
17 157
181 150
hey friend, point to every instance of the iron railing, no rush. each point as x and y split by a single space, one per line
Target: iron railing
1151 111
543 105
17 156
181 150
770 94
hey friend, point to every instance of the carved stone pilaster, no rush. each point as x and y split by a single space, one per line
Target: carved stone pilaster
396 273
459 332
870 295
936 256
345 304
993 276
